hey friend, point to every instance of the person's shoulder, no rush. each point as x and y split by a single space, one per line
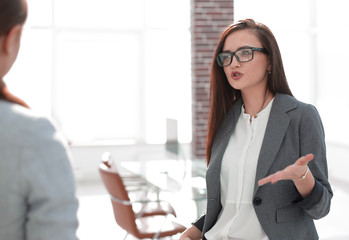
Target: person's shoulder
306 107
16 119
288 100
297 107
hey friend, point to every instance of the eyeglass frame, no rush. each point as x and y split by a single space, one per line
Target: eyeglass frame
232 54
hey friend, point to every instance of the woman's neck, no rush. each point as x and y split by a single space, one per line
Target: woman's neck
255 103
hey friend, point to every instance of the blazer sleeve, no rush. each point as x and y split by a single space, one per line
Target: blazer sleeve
199 223
312 140
47 184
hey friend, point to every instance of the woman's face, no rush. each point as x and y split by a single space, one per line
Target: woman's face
249 76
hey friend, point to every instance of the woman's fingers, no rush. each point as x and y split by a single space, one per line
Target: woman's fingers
273 178
288 173
305 159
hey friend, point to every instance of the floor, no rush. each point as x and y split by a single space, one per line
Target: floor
97 222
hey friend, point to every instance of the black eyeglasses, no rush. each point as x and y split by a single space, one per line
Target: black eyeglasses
242 55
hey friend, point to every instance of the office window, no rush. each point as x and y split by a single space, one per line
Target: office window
332 55
107 70
96 82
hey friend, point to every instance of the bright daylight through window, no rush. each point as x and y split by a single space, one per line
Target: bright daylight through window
107 72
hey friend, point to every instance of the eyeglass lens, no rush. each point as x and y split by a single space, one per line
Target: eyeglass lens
242 55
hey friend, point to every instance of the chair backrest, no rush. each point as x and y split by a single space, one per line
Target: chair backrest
107 160
123 212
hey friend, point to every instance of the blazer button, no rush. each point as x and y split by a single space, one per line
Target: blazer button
257 201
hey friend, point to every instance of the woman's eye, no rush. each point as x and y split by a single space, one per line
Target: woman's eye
246 52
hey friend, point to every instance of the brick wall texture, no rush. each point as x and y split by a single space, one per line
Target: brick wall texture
208 19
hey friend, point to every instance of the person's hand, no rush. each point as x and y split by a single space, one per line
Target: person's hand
291 172
191 233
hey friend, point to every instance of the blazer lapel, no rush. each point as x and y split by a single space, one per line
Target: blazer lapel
219 145
228 126
274 134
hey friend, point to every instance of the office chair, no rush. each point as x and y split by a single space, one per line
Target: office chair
132 182
143 224
136 185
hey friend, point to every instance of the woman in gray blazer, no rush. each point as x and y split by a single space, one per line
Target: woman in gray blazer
267 172
37 189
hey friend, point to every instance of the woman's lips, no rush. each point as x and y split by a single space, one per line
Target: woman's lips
236 75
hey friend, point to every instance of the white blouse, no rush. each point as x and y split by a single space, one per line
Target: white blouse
237 219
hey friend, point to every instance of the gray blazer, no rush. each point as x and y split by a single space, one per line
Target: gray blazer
294 129
37 187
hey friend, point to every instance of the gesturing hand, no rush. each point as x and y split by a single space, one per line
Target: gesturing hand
291 172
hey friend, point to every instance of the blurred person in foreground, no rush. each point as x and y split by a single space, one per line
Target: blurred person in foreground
267 174
37 187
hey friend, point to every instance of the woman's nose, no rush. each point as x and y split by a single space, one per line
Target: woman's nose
234 62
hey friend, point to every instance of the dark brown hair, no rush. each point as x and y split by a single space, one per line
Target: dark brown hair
12 13
222 95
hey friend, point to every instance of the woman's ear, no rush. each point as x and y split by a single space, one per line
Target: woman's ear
269 66
12 40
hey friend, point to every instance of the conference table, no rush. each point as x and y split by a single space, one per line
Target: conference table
184 178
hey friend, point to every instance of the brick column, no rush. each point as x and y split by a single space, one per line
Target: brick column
208 19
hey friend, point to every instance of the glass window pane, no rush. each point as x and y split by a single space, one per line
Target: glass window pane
297 64
31 75
277 15
332 16
332 69
99 14
84 61
167 14
333 83
97 85
167 83
39 13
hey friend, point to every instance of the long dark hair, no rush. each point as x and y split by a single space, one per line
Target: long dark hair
222 95
12 13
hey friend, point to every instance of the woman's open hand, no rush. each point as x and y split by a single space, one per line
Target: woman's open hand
291 172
